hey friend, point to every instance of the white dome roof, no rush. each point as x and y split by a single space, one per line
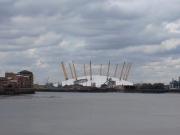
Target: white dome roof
97 80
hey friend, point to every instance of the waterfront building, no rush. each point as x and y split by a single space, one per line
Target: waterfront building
23 79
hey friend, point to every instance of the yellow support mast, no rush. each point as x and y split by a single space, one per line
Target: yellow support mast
74 68
122 71
64 71
125 71
85 71
108 70
90 70
115 72
127 75
72 75
100 69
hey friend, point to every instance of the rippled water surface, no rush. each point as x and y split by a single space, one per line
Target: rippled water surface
90 114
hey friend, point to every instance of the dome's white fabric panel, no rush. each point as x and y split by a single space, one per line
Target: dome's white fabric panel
98 80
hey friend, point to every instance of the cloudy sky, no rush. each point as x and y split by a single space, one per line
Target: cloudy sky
38 34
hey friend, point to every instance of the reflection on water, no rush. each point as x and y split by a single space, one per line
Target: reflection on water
90 113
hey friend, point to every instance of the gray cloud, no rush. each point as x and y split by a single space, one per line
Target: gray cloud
38 35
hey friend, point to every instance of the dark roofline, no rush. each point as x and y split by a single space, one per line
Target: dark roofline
25 71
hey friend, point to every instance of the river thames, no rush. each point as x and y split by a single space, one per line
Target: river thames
90 114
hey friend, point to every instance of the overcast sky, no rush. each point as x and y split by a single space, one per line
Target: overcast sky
38 34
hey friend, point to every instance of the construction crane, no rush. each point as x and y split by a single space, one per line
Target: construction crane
64 71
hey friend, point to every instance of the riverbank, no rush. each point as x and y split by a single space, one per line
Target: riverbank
103 90
11 91
84 90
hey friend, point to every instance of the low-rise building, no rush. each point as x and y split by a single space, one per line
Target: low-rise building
23 79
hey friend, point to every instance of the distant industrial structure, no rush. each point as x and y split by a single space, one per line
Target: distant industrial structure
15 82
97 75
174 84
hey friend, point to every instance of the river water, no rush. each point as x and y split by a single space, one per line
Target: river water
90 114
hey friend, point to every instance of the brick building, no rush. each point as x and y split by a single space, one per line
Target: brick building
23 79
